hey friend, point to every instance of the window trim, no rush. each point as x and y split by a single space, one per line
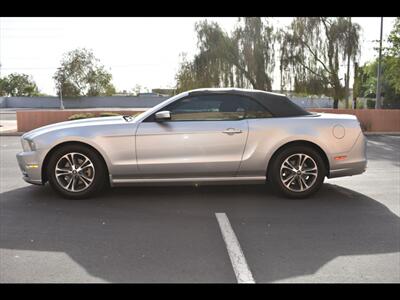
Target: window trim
152 116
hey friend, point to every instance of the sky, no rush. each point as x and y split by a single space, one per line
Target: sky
137 51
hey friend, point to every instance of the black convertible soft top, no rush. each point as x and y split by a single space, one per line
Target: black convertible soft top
279 105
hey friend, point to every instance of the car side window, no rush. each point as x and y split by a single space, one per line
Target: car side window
253 109
206 108
215 107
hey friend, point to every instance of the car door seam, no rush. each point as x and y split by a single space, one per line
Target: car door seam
136 152
244 149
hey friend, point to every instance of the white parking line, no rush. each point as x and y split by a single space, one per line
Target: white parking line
239 264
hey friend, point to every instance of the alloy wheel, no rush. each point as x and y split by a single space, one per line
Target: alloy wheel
74 172
299 172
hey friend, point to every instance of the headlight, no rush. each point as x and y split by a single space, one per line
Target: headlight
28 145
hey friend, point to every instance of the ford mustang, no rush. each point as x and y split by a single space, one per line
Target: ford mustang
204 136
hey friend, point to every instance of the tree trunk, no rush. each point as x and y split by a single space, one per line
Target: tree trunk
348 68
337 91
355 85
335 103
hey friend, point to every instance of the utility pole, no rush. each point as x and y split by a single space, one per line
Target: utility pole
348 64
378 84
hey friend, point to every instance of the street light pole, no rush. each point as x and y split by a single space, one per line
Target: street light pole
378 84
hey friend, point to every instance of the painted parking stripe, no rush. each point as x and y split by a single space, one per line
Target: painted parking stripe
239 264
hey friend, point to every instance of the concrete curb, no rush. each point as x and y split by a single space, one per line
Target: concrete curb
11 133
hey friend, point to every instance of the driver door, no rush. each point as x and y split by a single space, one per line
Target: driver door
205 137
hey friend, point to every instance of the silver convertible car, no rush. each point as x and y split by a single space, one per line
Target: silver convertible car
205 136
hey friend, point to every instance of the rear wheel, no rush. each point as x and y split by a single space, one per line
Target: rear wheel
297 172
76 172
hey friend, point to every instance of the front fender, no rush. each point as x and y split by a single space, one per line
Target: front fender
78 139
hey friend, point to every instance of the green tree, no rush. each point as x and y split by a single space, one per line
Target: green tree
352 49
81 74
186 76
2 87
392 57
356 84
137 89
284 61
110 90
18 85
366 79
315 48
309 85
394 39
243 59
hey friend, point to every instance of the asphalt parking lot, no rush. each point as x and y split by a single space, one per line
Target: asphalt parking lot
348 232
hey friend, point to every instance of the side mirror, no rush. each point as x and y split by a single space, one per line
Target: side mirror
163 115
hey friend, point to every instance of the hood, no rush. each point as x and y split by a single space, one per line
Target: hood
98 121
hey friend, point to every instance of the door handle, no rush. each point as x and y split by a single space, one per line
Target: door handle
232 131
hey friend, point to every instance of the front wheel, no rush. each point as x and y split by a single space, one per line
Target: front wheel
76 172
297 172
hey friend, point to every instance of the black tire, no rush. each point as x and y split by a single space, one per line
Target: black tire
99 180
274 171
